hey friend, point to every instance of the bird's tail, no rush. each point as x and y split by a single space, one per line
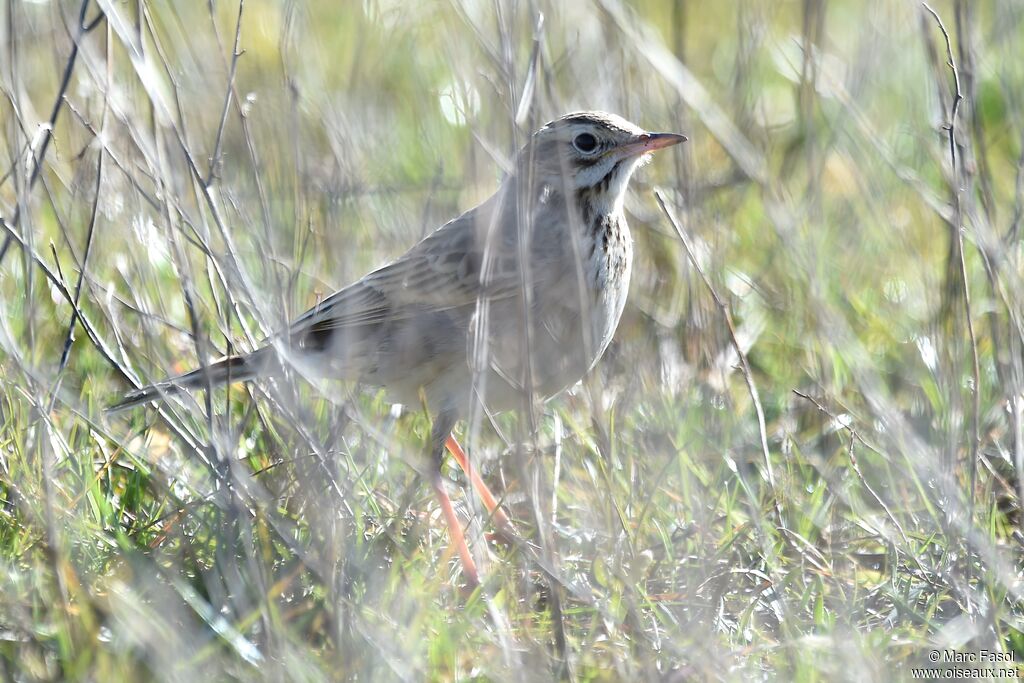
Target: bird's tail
233 369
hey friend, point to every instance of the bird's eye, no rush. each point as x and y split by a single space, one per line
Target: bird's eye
585 142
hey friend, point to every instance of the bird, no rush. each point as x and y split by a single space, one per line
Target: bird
517 297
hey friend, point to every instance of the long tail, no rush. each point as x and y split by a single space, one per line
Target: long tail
233 369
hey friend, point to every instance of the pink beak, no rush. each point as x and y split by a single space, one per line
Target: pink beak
650 142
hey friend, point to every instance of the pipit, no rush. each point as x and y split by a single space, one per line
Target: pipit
517 297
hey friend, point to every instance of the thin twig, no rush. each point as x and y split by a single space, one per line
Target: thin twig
744 364
854 437
58 103
69 338
976 369
235 54
90 234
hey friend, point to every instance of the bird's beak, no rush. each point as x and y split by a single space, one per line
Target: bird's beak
650 142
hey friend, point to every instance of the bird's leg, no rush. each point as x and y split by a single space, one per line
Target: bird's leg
440 433
501 520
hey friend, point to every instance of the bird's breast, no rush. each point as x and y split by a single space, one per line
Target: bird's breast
580 277
610 268
580 313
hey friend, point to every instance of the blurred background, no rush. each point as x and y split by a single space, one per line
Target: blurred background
804 467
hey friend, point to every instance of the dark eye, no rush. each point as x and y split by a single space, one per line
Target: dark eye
585 142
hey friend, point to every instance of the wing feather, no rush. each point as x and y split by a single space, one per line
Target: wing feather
442 272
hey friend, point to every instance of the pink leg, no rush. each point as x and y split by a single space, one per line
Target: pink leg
455 531
501 520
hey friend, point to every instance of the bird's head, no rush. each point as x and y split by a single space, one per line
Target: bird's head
593 152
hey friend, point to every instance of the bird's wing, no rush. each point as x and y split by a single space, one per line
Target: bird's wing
442 272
